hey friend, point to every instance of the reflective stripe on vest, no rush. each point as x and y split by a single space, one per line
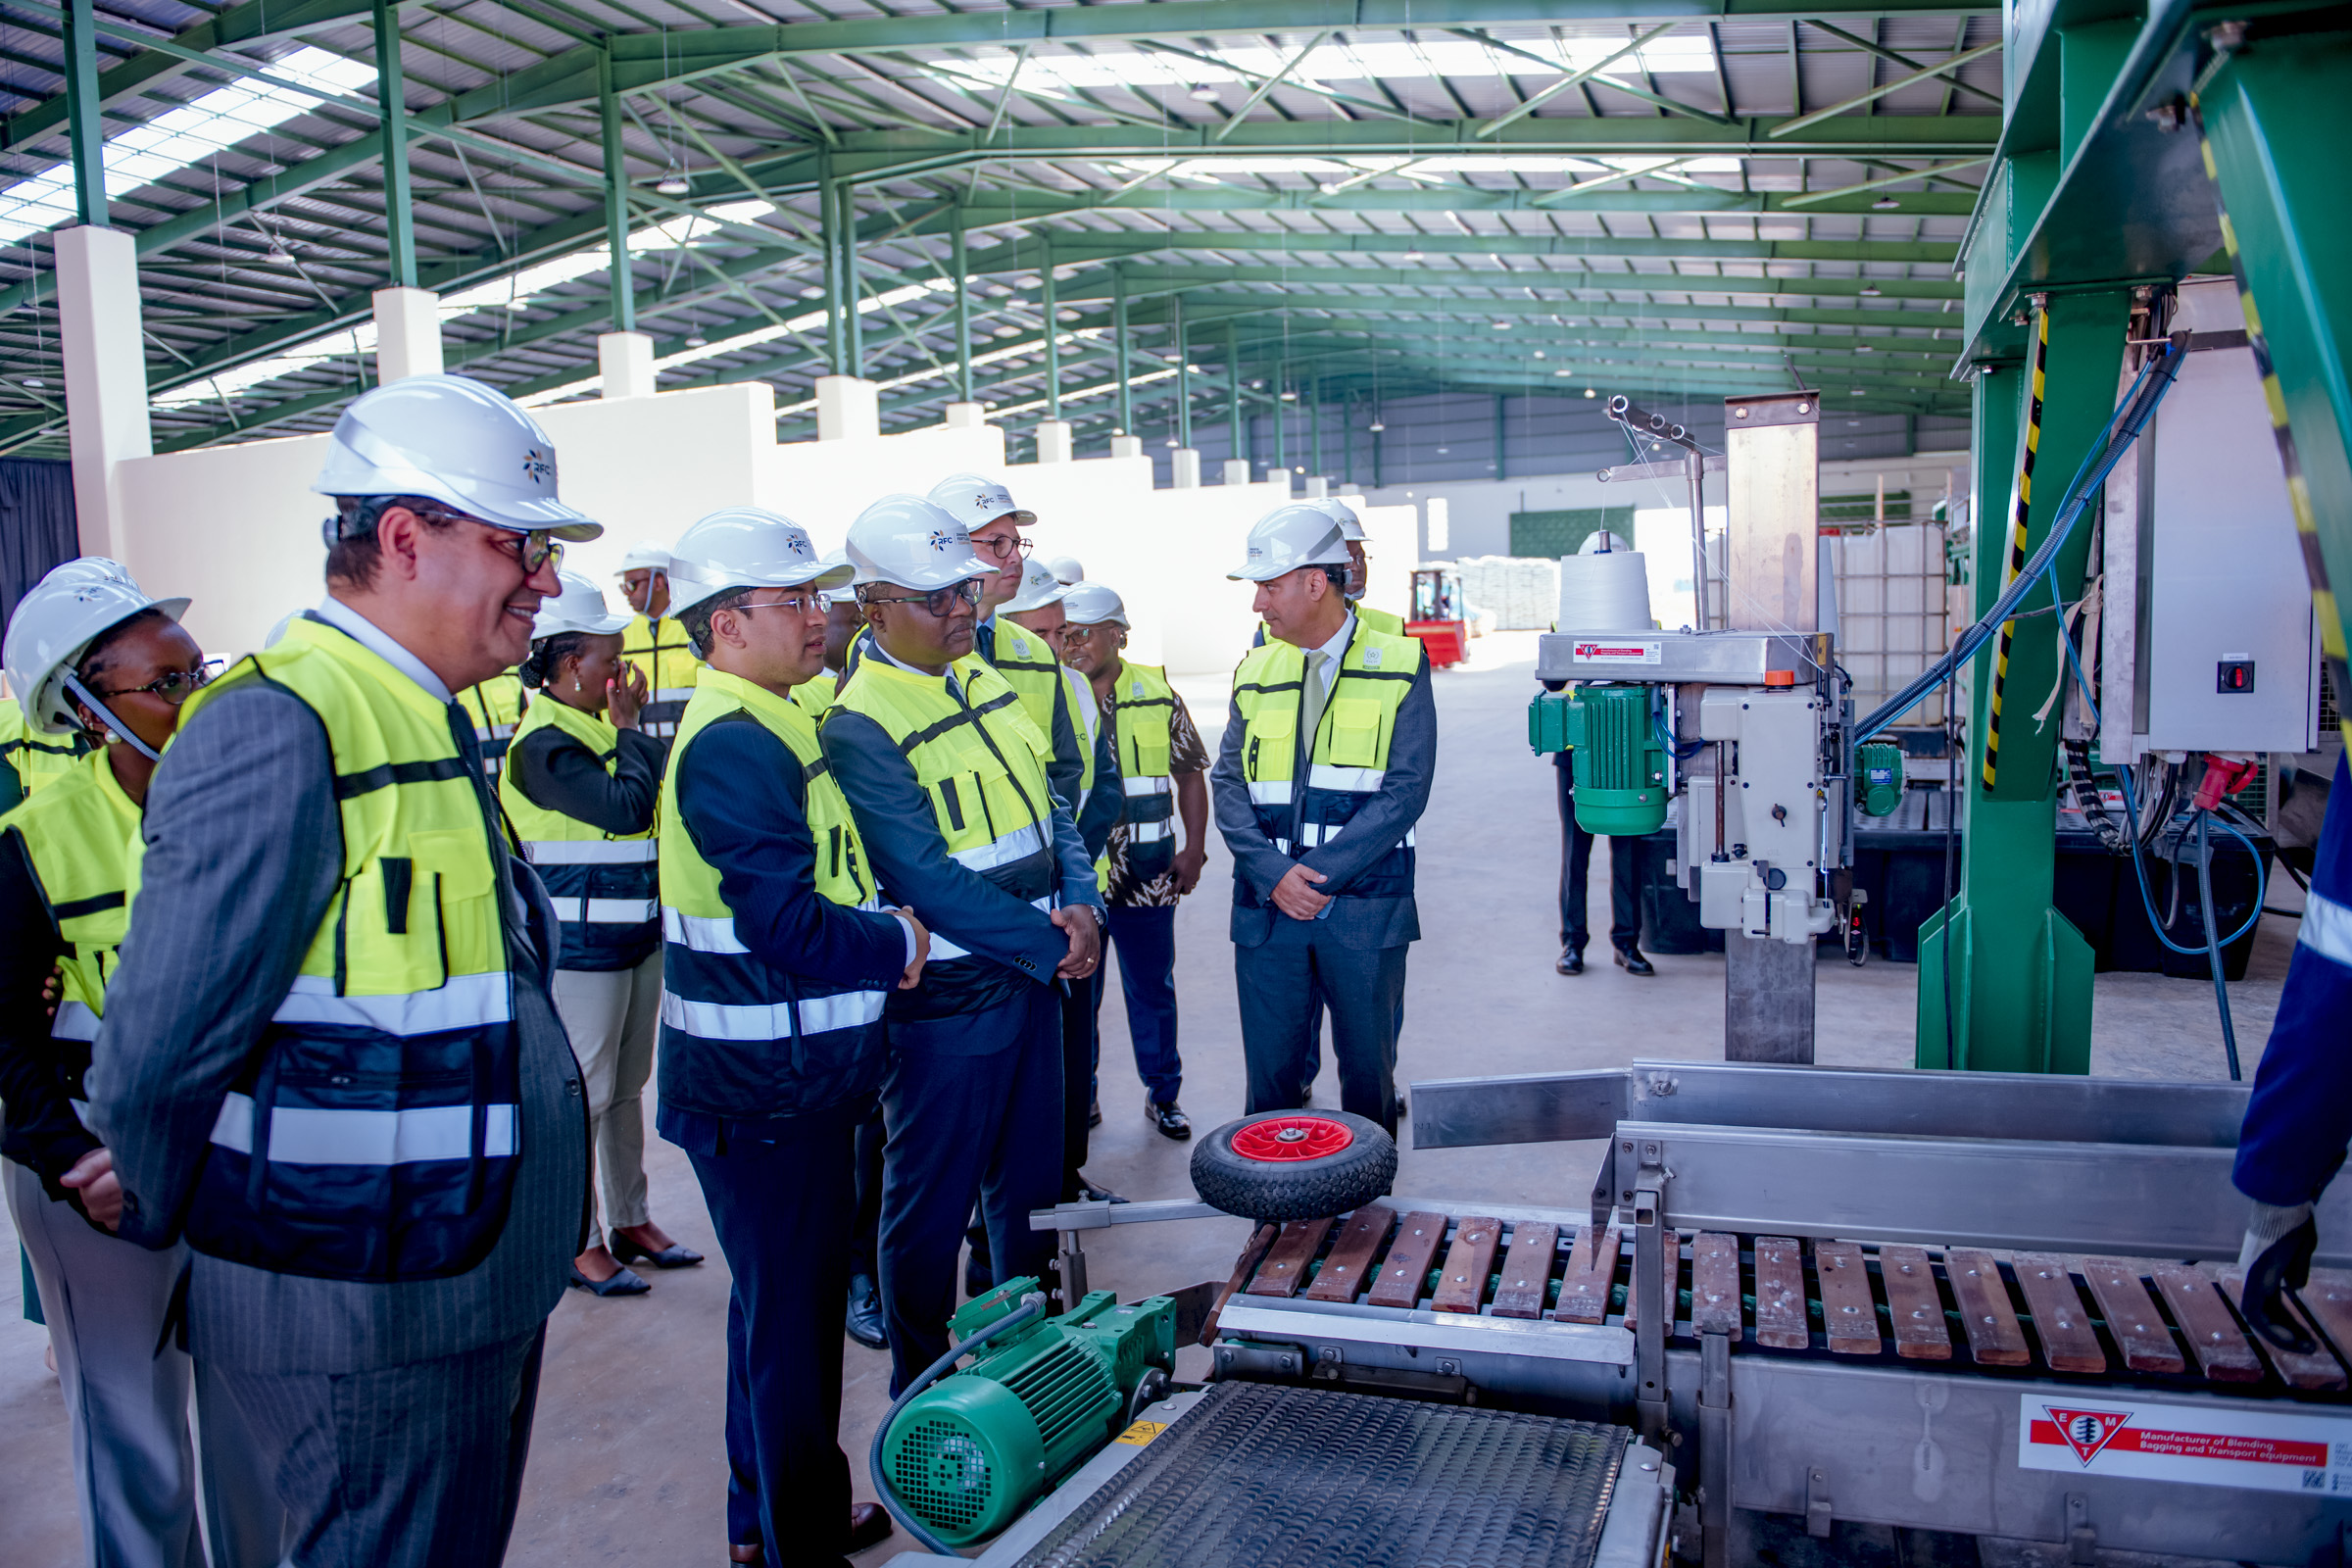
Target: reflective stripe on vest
496 705
661 652
1347 757
383 1099
35 759
715 993
978 758
601 885
943 950
79 836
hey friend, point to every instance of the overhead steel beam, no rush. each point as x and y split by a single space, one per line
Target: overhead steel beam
1543 310
1789 127
1148 280
1023 255
995 207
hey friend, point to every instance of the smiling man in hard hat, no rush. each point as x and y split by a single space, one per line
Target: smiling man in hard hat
945 776
330 1058
1324 768
654 641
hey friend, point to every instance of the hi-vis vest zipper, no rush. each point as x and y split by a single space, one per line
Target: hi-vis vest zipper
983 764
600 884
79 835
1347 757
661 649
375 1136
1146 707
722 1007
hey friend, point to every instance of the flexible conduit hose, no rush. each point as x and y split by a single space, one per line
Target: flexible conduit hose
2138 407
1031 1307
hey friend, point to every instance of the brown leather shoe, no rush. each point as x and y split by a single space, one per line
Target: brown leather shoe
868 1524
746 1552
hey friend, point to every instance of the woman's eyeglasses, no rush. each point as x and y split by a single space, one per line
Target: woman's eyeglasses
941 601
175 687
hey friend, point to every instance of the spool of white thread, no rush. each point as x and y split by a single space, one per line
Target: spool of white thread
1605 592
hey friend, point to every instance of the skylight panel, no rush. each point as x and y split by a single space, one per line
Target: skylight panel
217 121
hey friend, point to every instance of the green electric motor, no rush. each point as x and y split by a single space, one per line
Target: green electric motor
971 1452
1611 734
1879 766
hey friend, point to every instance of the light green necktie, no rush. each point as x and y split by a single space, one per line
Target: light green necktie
1310 713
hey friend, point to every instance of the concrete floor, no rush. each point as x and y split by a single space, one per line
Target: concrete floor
627 1465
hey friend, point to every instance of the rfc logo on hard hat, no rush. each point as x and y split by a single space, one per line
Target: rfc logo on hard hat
942 540
992 503
539 466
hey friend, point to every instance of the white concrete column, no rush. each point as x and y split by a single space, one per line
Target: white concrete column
1184 464
106 373
1237 471
1317 488
848 406
1054 440
1126 445
1349 490
627 361
964 416
408 334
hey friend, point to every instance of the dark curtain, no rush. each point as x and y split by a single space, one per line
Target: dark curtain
37 529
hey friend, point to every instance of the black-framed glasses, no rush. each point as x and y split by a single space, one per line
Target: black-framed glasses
1006 548
791 603
940 602
175 686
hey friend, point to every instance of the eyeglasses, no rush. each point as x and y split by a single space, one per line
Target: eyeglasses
530 551
177 686
940 602
1007 547
791 604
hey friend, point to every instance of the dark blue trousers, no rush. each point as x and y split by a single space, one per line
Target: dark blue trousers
1299 972
784 1211
973 1112
1145 941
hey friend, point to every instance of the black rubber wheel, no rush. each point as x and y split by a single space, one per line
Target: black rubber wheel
1294 1165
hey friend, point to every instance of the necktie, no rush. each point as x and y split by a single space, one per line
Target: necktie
1310 713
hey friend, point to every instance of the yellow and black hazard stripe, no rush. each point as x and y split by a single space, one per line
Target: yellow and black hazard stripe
2298 490
2022 513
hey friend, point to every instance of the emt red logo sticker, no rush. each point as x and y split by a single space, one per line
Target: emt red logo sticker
2086 1432
2305 1449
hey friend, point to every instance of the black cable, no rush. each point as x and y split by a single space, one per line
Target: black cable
1031 1305
2213 936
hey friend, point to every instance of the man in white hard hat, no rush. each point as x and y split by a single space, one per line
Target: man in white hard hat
654 641
330 1059
1163 771
1360 566
942 772
775 968
1036 609
1066 570
1324 768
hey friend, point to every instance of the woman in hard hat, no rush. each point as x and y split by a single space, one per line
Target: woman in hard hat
580 786
91 654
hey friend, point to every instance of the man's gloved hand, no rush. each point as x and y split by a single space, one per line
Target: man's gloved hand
2282 1265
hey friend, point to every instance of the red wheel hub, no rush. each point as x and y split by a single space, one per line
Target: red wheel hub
1279 1140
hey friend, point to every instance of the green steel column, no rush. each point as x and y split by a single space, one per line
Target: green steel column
624 282
85 133
1183 376
1501 407
1233 390
400 217
2278 168
1118 348
853 291
2020 972
959 261
1053 338
1376 435
828 221
1315 427
1282 422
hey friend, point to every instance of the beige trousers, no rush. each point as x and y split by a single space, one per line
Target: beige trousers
612 1016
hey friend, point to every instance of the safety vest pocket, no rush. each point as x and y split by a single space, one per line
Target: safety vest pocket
1271 746
1354 733
1147 749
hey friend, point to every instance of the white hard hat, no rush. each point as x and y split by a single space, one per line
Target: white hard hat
1352 527
1296 534
914 543
1090 603
1601 541
744 547
455 440
646 555
52 625
1066 570
844 594
1039 588
976 503
578 605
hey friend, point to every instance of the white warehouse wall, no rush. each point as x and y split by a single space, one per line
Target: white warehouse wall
236 527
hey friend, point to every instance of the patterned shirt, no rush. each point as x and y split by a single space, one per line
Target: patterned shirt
1185 754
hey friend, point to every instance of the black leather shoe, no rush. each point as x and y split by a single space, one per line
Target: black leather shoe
1171 1120
2283 1266
1089 1193
868 1524
864 1320
624 1282
1570 961
625 1250
1630 960
1094 1113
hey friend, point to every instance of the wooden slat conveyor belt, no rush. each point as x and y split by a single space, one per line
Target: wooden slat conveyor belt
2000 1311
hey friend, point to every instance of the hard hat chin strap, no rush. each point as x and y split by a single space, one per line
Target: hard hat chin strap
120 730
